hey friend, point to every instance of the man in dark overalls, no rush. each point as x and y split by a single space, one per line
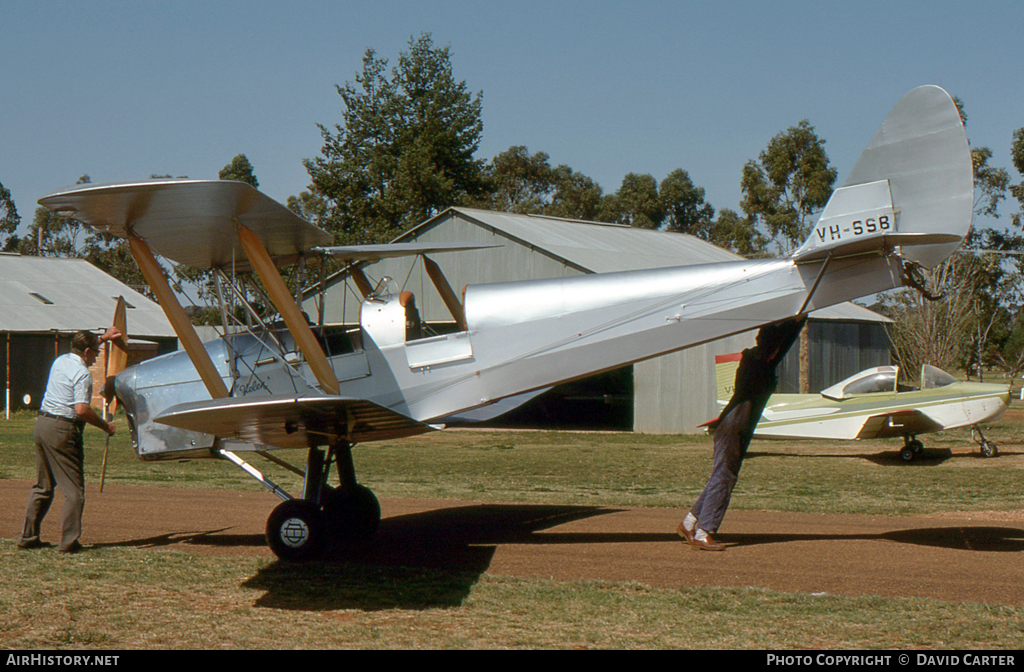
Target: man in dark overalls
755 383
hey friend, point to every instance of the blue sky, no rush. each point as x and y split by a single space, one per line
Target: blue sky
122 90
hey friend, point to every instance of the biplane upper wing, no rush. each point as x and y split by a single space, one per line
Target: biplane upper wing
191 221
292 422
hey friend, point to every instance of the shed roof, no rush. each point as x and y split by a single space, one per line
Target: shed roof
39 294
597 247
593 247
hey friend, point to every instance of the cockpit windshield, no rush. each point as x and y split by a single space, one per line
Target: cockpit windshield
932 377
877 379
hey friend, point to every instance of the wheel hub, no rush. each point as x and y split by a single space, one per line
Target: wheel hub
294 532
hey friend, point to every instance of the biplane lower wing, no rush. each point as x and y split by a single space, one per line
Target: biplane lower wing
292 422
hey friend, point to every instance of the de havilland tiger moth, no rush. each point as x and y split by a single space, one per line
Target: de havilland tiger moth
906 205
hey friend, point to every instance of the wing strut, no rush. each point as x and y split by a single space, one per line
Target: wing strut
290 313
445 290
176 316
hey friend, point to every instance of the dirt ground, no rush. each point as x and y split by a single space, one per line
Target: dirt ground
967 557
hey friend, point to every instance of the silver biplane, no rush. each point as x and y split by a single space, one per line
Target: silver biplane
906 205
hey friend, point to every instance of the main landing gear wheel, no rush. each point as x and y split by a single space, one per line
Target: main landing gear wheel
988 449
911 449
296 530
299 529
352 514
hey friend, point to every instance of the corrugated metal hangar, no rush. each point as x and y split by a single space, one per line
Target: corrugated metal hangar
44 301
666 395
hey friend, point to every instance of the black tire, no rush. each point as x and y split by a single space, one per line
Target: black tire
353 514
907 454
295 530
989 449
916 446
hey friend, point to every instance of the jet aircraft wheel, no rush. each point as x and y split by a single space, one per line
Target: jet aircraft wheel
989 449
295 530
916 446
352 514
907 454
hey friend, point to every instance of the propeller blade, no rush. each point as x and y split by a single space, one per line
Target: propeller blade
117 361
117 353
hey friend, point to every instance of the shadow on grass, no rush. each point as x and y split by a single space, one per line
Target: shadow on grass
967 538
204 538
929 456
418 561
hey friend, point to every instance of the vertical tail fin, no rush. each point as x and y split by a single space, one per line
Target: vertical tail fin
725 375
912 187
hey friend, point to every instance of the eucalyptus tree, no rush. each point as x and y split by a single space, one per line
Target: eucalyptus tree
684 205
787 184
738 233
50 235
519 181
240 170
1017 190
9 220
636 203
575 195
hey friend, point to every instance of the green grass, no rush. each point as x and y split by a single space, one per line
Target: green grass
174 600
610 469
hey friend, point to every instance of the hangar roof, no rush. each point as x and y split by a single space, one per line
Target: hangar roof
597 247
39 294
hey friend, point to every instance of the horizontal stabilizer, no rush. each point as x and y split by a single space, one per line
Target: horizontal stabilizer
860 219
912 188
190 222
376 252
290 422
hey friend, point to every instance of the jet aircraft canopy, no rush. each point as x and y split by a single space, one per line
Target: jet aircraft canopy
876 379
932 377
885 379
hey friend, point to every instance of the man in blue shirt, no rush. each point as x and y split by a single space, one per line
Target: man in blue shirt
65 409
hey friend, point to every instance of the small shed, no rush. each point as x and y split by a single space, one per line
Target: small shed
44 301
669 394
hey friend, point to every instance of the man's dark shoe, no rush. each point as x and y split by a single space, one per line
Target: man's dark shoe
35 543
75 547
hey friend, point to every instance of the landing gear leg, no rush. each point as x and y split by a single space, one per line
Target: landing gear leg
352 510
987 448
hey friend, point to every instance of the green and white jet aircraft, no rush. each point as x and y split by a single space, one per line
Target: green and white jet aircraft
873 405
